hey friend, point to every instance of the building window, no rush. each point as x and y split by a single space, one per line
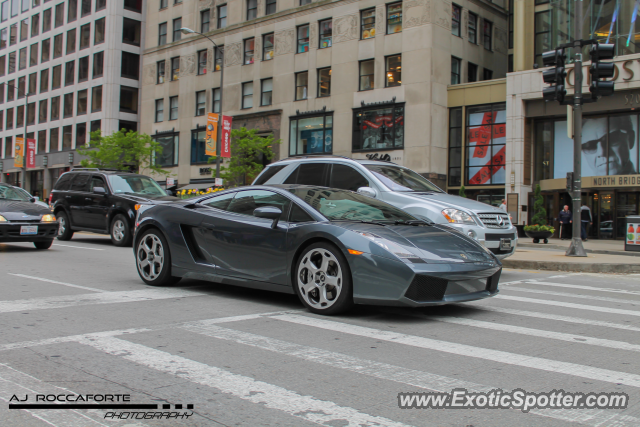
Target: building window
473 28
252 9
367 23
302 82
162 34
11 68
511 6
173 108
31 113
455 147
33 55
366 74
169 155
324 82
177 34
101 4
159 110
303 2
218 57
83 69
198 147
9 124
393 70
13 34
303 38
175 68
24 30
455 19
67 137
486 138
455 70
59 18
266 92
249 45
247 95
204 21
56 77
3 38
81 108
487 32
542 35
98 36
98 64
85 7
160 72
164 4
376 128
42 138
311 134
46 50
35 25
71 41
46 20
326 28
394 18
55 108
81 134
69 73
96 99
131 31
216 100
21 87
130 68
271 7
129 99
67 105
33 83
267 47
85 36
72 11
134 5
44 82
472 72
22 63
222 16
487 74
201 103
57 46
202 62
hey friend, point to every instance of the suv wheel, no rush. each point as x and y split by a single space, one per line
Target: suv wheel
64 230
120 231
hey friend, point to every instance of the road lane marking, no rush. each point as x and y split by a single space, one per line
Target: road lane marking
549 316
465 350
264 394
57 283
587 288
568 295
570 305
78 247
94 299
394 373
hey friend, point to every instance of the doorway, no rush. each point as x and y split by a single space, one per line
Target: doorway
606 215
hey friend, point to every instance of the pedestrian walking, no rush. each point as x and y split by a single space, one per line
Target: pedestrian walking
503 206
564 217
586 219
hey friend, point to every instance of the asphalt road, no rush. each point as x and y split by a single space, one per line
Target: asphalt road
76 319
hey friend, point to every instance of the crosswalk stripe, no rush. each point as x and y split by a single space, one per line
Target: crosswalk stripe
97 298
389 372
549 316
583 287
570 305
78 247
271 396
57 283
498 356
565 294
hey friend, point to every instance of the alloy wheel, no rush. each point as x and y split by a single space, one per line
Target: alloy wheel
319 278
62 227
150 257
118 230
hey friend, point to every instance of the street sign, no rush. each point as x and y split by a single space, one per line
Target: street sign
219 182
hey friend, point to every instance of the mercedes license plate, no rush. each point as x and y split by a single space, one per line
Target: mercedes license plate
505 244
28 229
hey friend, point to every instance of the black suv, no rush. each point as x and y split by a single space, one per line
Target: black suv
102 202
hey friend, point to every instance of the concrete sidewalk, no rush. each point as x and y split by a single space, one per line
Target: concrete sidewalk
611 247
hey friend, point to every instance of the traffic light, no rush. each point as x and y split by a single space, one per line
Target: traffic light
600 71
554 76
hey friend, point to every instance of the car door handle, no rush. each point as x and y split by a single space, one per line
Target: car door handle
208 226
67 197
89 199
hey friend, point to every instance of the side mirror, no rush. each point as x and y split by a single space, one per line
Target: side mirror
368 191
37 198
32 200
99 190
268 212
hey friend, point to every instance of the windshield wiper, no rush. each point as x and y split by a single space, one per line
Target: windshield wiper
361 221
416 222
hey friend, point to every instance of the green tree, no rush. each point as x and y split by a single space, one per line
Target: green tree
246 150
461 192
539 212
122 150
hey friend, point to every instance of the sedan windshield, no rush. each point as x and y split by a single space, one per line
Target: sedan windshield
10 193
338 205
135 184
402 179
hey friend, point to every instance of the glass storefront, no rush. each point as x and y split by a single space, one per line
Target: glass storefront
486 144
169 154
378 128
311 134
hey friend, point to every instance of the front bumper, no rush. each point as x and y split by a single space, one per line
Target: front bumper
10 232
490 238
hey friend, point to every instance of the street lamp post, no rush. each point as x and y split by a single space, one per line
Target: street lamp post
185 31
24 142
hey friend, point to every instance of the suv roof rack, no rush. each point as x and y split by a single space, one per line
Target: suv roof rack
84 169
312 156
99 170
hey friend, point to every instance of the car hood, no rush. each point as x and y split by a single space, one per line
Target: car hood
445 200
21 211
433 244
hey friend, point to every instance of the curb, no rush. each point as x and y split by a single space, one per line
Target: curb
564 249
571 266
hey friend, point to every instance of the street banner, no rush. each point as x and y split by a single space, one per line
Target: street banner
226 136
18 161
211 134
31 153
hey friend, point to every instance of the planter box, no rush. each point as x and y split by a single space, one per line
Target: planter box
539 235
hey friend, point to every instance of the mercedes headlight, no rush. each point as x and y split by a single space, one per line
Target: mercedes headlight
456 216
396 249
48 218
3 219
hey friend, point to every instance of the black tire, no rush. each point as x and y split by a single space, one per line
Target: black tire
64 232
155 277
120 231
536 240
546 240
43 245
336 271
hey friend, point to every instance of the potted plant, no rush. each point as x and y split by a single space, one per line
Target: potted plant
539 230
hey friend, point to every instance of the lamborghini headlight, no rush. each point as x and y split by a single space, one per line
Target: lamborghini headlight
3 219
48 218
456 216
396 249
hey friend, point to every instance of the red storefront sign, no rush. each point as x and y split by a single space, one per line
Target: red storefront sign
225 149
31 153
